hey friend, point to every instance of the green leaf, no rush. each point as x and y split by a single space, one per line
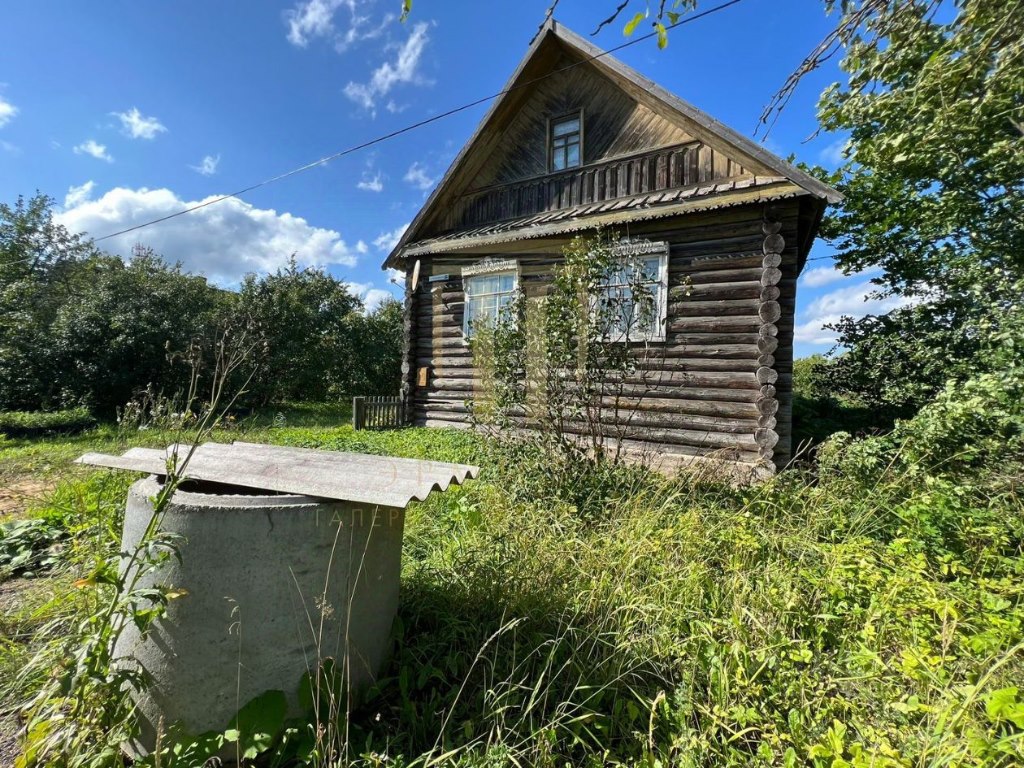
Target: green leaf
662 35
1003 705
632 23
260 722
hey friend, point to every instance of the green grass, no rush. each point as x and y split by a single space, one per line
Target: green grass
866 613
34 424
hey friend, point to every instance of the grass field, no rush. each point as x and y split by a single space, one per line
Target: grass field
865 612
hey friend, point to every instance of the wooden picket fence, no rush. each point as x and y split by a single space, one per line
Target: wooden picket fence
377 413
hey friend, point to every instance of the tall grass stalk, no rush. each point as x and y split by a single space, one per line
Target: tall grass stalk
84 712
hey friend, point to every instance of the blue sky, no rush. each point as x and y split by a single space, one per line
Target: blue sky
126 111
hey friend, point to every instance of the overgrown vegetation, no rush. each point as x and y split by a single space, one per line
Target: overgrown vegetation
83 329
865 611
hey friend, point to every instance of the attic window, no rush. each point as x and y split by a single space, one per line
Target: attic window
566 142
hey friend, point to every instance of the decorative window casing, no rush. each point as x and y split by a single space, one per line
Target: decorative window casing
565 142
643 266
490 287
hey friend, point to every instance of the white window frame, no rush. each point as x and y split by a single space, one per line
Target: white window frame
644 250
486 268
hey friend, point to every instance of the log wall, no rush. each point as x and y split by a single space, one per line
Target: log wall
720 383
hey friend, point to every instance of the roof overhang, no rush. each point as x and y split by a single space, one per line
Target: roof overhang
572 220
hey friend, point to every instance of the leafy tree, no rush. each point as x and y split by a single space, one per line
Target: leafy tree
122 333
39 272
376 367
934 187
304 318
79 327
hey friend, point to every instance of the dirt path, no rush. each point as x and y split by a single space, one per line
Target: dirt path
18 493
11 599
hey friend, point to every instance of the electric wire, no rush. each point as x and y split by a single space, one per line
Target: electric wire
413 126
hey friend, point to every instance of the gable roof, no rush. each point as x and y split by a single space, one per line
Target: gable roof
698 123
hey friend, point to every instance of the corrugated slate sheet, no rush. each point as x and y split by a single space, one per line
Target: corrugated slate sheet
646 206
361 478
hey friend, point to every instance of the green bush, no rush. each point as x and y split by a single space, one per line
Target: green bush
36 423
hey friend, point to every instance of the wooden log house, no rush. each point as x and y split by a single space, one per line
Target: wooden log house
579 141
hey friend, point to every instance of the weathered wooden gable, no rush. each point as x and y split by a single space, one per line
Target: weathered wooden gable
633 143
615 124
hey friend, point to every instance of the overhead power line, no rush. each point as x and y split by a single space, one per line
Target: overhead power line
413 126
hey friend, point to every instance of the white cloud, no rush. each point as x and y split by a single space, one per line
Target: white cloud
95 149
207 166
222 241
819 276
375 297
848 300
310 19
372 297
138 126
812 332
6 146
404 69
396 276
7 111
386 241
812 278
78 195
856 300
370 183
362 247
417 177
314 18
833 154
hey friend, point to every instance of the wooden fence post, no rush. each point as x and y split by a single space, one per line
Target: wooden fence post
357 412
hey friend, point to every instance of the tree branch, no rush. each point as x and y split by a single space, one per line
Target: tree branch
611 19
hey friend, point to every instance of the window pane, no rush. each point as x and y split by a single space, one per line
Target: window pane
651 269
563 127
486 295
624 314
558 160
574 155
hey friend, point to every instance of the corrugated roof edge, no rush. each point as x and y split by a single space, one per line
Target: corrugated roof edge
265 469
804 180
505 232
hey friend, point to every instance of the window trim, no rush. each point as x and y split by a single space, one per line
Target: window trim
550 154
485 269
644 250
